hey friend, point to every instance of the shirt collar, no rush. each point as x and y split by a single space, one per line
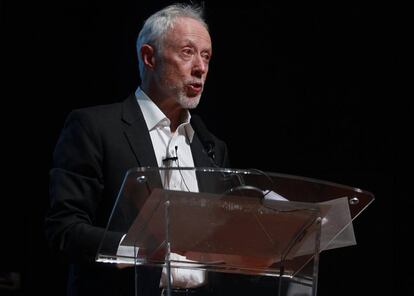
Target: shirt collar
154 117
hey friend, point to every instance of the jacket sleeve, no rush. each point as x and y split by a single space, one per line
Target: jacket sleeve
76 191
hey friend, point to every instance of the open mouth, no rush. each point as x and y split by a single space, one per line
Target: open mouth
195 88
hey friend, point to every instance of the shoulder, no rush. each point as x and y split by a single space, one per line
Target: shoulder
96 112
99 115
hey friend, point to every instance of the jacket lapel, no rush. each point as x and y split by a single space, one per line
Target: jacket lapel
200 157
206 180
137 133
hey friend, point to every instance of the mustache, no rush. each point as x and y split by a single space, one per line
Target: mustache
196 82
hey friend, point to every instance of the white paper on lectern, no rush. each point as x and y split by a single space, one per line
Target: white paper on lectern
336 228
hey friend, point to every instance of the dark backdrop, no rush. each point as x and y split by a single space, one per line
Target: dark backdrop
307 90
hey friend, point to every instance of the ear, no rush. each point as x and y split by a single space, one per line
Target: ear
148 55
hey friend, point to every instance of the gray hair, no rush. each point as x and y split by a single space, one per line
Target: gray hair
158 24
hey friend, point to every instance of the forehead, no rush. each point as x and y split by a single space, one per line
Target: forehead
188 29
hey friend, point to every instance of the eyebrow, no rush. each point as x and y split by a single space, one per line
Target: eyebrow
191 43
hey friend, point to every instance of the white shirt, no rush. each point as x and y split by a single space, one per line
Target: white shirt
170 144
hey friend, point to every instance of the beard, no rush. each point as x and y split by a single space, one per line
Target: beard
187 102
181 96
178 90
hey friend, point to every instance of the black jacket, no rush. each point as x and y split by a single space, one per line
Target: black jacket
95 149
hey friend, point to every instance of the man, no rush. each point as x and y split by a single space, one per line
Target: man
99 144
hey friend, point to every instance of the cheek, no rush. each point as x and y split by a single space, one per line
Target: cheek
167 73
177 69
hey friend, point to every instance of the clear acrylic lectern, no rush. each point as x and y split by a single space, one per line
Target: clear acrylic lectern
237 221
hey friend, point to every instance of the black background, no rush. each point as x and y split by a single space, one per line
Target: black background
309 90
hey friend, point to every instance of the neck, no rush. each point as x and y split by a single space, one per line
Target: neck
168 105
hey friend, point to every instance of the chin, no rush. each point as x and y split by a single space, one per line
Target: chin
189 103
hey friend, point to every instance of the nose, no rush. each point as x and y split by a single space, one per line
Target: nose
200 66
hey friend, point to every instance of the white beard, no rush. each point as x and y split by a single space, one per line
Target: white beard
186 102
181 97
